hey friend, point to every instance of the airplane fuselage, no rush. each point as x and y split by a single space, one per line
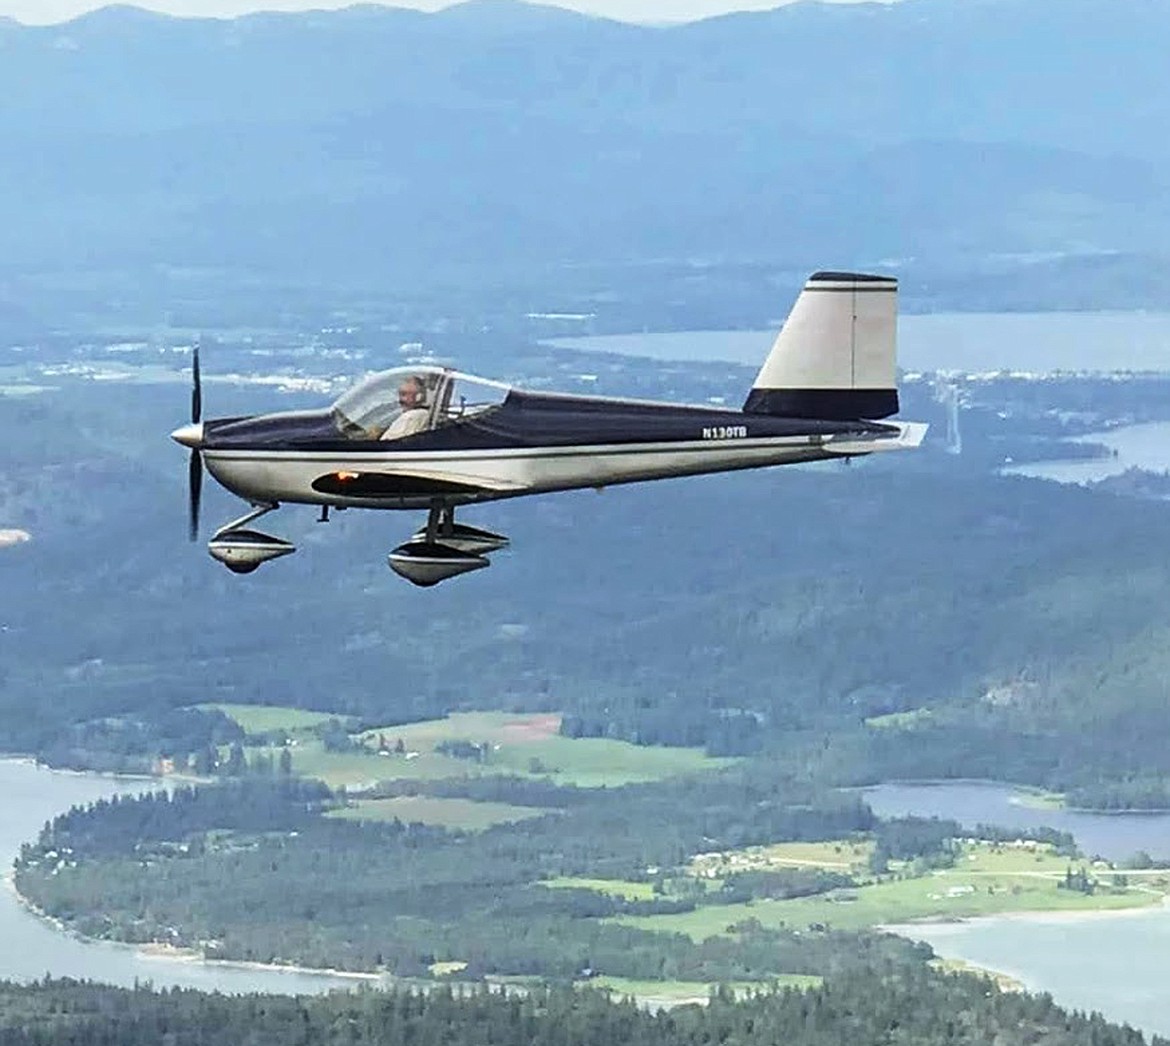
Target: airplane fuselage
532 443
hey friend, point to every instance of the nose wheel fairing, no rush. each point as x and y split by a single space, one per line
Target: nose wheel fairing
241 549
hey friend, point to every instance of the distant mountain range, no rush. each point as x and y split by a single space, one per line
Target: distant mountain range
405 146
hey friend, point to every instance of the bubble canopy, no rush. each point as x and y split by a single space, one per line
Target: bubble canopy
371 407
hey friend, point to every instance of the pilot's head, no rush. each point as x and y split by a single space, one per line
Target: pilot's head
410 393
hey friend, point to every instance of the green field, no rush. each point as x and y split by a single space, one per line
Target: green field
623 888
911 720
530 746
264 719
522 745
675 993
1038 799
847 855
447 813
360 770
986 880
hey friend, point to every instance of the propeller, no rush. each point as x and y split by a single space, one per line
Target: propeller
196 389
195 466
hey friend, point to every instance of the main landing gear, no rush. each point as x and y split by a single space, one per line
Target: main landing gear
443 549
440 550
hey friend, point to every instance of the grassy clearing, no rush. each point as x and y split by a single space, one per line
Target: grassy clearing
447 813
911 720
524 745
848 856
358 770
987 880
1004 982
1039 800
529 745
1009 859
676 993
599 763
623 888
892 902
263 719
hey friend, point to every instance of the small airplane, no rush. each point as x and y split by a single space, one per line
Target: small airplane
427 437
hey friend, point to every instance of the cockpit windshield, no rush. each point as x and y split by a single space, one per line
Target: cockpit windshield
380 403
407 400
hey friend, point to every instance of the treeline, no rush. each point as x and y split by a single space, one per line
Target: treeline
122 823
1130 793
1106 759
188 738
874 1006
489 788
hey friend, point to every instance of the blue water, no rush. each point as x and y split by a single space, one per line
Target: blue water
30 947
1111 962
1116 837
1145 447
960 341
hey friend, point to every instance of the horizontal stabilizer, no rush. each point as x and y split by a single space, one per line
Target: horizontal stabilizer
902 435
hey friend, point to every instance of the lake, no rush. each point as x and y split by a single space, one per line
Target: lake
32 947
1116 837
1144 447
1108 962
1113 963
960 341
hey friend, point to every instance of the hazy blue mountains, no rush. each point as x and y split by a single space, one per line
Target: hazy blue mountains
953 135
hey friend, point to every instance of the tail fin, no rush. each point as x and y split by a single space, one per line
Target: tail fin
834 357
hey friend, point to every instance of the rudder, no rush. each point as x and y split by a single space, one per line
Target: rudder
834 358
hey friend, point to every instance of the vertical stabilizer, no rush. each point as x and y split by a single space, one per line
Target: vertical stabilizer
834 358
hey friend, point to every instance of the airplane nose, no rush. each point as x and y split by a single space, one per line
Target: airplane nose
189 435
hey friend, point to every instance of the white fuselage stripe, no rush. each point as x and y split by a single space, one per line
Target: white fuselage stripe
359 458
288 475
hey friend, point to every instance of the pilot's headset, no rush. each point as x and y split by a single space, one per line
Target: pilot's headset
419 381
424 394
424 391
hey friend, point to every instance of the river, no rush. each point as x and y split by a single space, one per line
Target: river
1108 962
32 947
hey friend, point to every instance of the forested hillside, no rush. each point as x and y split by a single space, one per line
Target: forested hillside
506 146
888 1007
744 613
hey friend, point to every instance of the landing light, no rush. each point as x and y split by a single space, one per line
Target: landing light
344 477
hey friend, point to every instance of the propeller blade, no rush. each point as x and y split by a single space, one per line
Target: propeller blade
195 491
196 388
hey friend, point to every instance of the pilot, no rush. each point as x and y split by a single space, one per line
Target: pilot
414 413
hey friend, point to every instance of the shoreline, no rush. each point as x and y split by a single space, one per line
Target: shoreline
160 951
1023 789
1041 915
1006 974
